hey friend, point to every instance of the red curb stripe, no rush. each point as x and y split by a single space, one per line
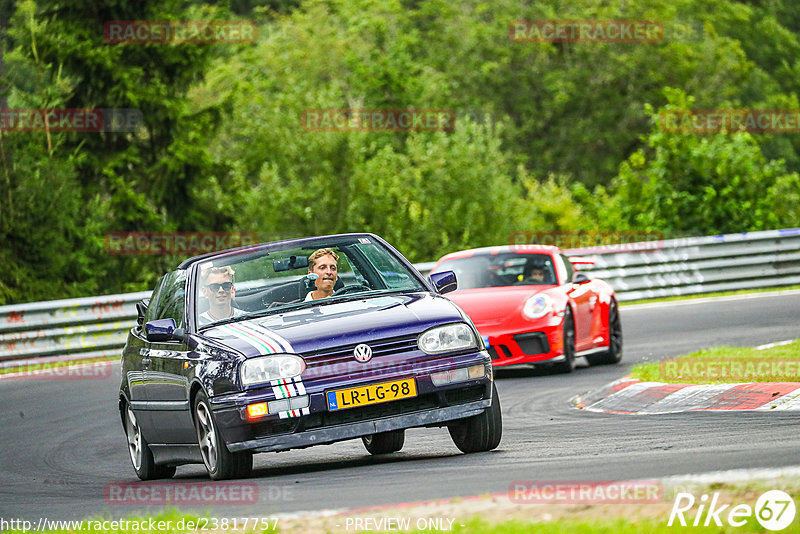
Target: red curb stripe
595 396
654 394
752 396
622 385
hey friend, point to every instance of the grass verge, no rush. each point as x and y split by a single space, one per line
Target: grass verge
726 365
492 514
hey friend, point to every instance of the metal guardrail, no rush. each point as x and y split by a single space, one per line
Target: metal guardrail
695 265
68 329
97 326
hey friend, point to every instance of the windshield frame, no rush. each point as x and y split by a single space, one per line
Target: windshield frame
358 260
453 264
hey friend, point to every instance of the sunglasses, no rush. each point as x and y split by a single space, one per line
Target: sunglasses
224 285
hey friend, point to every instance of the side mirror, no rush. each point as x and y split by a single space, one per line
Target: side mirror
163 330
444 282
141 309
580 278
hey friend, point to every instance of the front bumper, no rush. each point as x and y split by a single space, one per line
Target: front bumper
432 406
363 428
542 344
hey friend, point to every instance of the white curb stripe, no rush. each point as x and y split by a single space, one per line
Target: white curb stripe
788 402
693 397
610 402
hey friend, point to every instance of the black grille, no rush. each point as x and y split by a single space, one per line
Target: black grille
533 343
387 409
495 354
270 428
383 347
464 395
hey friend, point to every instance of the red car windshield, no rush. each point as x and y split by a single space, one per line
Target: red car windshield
500 270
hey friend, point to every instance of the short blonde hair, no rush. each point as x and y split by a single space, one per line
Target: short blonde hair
317 254
205 273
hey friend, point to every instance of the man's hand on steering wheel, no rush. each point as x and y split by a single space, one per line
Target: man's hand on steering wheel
348 289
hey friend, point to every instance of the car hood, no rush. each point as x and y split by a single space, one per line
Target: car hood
337 323
494 305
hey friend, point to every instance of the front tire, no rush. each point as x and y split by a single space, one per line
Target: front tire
480 432
614 353
140 453
568 365
220 463
385 442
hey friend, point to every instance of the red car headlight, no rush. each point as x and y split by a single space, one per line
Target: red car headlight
537 306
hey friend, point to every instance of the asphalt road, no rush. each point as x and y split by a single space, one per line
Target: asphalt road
61 442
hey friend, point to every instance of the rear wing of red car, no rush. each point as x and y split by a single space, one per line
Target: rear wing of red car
579 261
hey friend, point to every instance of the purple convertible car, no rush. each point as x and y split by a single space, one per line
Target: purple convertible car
297 343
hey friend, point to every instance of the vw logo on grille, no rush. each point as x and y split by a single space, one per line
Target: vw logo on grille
362 352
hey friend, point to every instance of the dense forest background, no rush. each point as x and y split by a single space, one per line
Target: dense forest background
550 136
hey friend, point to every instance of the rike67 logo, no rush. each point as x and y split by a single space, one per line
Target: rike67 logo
774 510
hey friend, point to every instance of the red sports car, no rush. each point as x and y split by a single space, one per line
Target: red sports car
532 307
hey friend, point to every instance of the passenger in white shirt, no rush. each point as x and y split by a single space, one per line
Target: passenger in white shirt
323 263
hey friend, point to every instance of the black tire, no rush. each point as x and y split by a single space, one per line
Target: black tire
140 453
614 353
385 442
568 365
481 432
220 463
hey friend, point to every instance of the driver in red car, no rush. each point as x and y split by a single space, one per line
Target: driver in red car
323 264
538 274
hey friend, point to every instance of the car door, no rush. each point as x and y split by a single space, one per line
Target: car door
166 379
136 363
583 298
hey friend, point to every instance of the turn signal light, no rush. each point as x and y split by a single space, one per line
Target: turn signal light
255 411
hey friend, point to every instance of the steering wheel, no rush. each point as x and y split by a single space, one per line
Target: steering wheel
348 289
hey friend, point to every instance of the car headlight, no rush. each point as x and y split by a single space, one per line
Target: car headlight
447 338
537 306
272 367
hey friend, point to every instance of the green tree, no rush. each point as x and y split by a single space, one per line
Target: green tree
700 184
67 190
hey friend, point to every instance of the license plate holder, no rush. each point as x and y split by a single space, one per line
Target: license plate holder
342 399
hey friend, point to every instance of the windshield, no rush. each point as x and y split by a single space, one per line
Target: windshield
498 270
298 275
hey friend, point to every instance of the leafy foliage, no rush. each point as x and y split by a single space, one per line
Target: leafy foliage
548 136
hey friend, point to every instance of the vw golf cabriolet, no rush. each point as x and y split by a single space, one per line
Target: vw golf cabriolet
297 343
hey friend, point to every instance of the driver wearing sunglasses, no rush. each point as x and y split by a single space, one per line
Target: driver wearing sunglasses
217 287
